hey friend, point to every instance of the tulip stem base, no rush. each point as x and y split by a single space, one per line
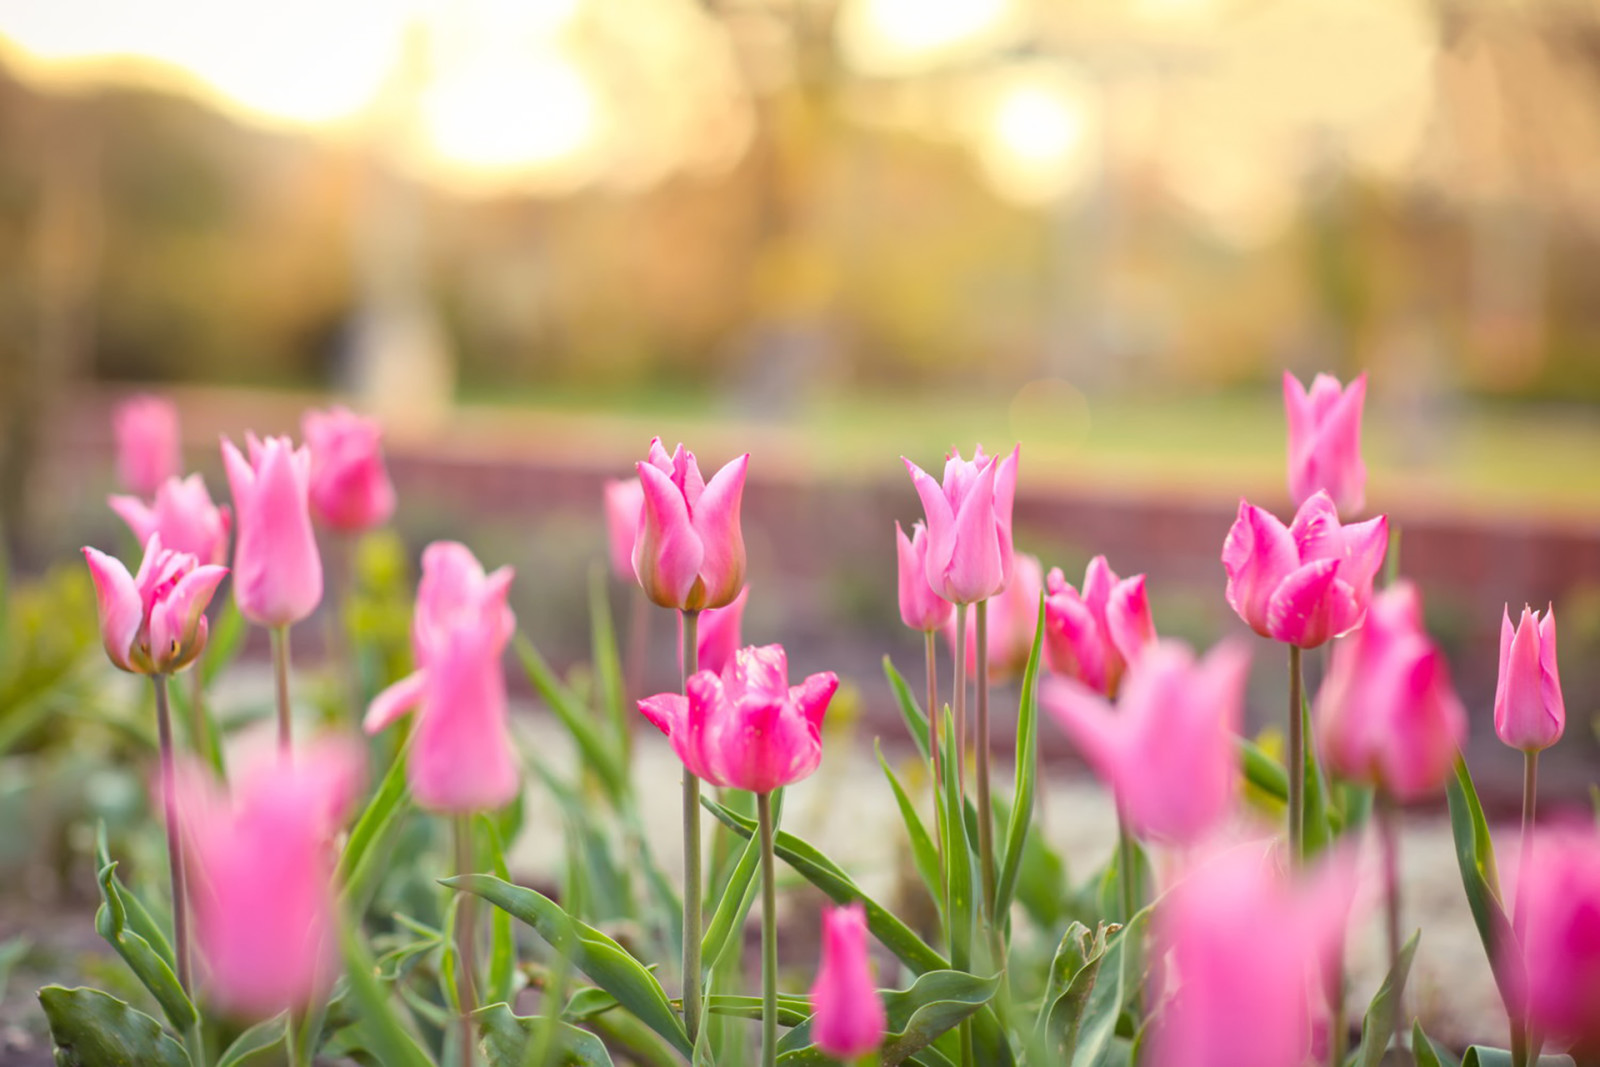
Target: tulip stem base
769 934
466 940
280 671
1297 760
958 744
1389 835
936 758
985 813
175 864
691 850
1524 1047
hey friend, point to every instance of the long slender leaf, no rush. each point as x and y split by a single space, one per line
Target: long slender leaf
607 664
924 855
1427 1053
792 1009
910 711
502 939
727 921
1378 1026
1475 861
936 1003
1262 771
381 1029
577 719
1027 773
365 859
958 876
155 973
260 1038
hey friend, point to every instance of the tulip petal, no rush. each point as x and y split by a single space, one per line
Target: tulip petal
1366 545
941 526
715 513
175 638
139 516
1315 530
1550 678
1258 555
121 611
813 695
1301 611
388 706
976 569
1128 618
667 553
1088 721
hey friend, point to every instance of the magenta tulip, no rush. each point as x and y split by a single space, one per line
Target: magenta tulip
689 551
1528 710
153 622
1307 582
183 515
1093 636
747 728
1387 714
261 876
969 524
1012 618
718 637
1325 440
848 1018
350 486
624 505
920 607
146 430
461 757
277 573
1559 895
1168 747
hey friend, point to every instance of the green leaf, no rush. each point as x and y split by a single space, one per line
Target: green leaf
1475 861
606 963
924 855
577 719
381 1030
958 875
223 642
1262 771
260 1038
792 1009
365 859
1427 1053
737 897
827 876
502 939
587 1002
1319 824
626 1033
506 1039
1107 999
1378 1026
611 690
1027 772
910 711
936 1003
155 973
95 1029
1072 976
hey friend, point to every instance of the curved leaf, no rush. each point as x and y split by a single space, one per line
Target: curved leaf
1378 1026
1481 881
112 922
793 1009
1027 769
577 718
504 1038
936 1003
95 1029
259 1038
924 855
737 897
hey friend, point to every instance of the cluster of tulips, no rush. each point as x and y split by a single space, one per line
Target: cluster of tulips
1206 939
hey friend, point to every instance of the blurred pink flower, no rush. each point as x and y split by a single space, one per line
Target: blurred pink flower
689 553
1094 636
747 728
153 622
1325 440
969 524
920 607
1307 582
277 573
848 1018
718 636
146 430
350 487
1558 896
1387 714
1012 616
183 515
1529 712
624 512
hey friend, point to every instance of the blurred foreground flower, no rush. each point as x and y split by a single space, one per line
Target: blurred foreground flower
350 487
1529 712
1093 636
969 524
719 633
153 622
1325 440
183 515
277 573
848 1019
689 552
1558 894
624 503
146 430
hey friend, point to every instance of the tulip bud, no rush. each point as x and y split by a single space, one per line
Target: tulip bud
153 623
1325 440
277 573
718 634
920 607
1094 636
1012 618
1528 710
146 429
183 515
624 504
970 548
848 1018
689 552
350 487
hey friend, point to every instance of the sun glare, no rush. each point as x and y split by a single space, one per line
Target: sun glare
510 116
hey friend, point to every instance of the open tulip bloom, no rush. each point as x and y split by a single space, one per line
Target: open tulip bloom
153 622
1093 636
689 550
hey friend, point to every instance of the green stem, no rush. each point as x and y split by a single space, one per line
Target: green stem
1522 1046
935 743
175 862
691 850
958 750
197 709
985 815
1297 761
291 1038
1389 833
1128 867
769 934
466 941
280 669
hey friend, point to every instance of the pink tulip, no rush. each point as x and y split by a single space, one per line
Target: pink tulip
624 505
718 636
1325 440
277 574
1167 748
1559 897
1012 617
1305 583
183 515
1387 714
1528 710
689 551
969 524
920 607
350 487
747 728
261 875
146 429
848 1018
153 622
1093 636
461 757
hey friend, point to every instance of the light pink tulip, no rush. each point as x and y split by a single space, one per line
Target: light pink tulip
718 635
1559 897
1093 636
747 728
920 607
624 505
1307 582
260 872
146 429
350 486
153 622
1012 616
277 573
461 756
969 524
1325 440
848 1019
1528 710
183 515
1387 714
1167 748
689 551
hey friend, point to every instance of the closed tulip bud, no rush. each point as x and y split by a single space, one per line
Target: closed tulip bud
350 486
718 636
689 552
461 757
1012 618
1559 896
183 515
1325 440
1528 710
1093 636
624 503
1167 748
747 728
1387 714
260 873
1307 582
277 573
970 549
920 607
153 622
146 430
848 1018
